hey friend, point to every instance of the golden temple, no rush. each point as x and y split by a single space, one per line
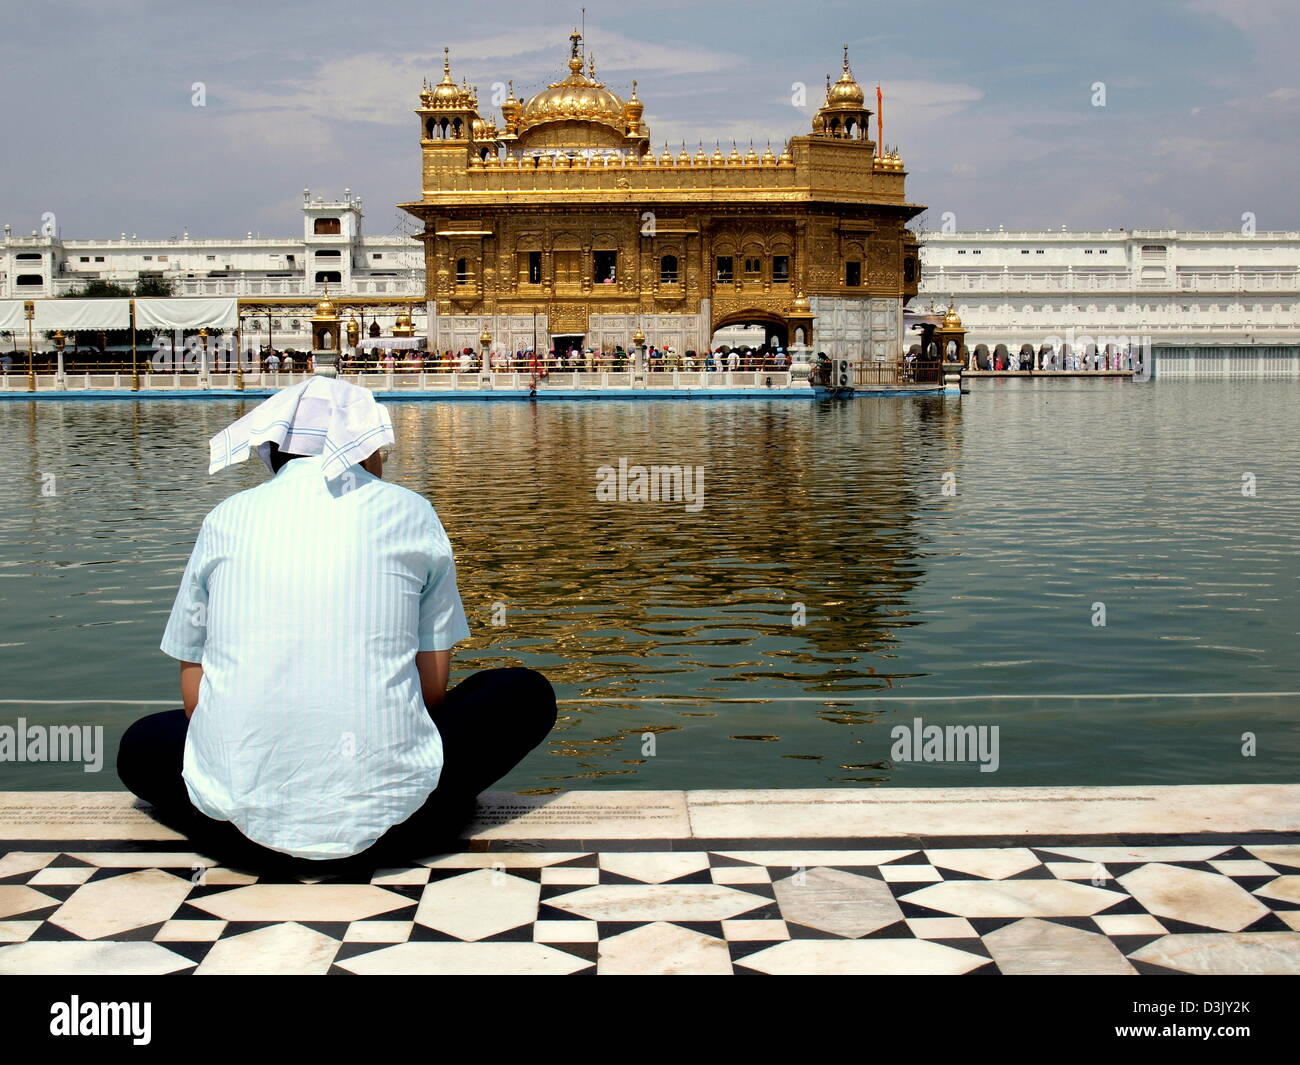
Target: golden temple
561 223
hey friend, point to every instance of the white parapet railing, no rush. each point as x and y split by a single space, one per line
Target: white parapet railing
118 379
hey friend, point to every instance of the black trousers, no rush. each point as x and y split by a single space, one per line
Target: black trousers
488 722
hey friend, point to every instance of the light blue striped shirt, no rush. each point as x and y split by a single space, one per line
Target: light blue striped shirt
306 600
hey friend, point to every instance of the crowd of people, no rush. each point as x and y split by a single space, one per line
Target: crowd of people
1090 359
566 360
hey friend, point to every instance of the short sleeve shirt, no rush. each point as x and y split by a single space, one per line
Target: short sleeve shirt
306 601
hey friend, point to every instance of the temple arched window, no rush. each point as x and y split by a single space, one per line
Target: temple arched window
909 271
463 274
668 270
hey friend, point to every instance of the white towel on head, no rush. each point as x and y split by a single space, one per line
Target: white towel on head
318 416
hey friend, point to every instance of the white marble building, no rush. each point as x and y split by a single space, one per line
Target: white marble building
331 248
1200 297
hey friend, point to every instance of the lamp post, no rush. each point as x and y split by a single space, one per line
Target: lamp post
354 337
135 364
239 354
29 312
59 340
204 380
484 367
638 346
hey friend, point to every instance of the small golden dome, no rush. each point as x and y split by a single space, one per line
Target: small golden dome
768 157
846 92
786 159
951 320
446 95
683 157
511 107
667 158
700 158
325 308
717 155
734 158
751 156
634 107
800 305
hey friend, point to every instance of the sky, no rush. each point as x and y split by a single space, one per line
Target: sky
993 106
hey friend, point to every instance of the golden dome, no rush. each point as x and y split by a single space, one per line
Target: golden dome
325 309
717 155
951 320
484 129
683 157
734 158
446 95
667 158
768 157
579 97
846 92
800 305
511 107
633 109
751 157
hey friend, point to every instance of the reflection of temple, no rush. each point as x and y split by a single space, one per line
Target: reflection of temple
562 222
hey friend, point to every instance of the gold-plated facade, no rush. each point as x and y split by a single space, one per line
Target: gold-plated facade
563 212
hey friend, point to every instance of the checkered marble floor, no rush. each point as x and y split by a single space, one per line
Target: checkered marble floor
667 906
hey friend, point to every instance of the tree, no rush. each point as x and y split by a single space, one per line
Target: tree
97 289
153 286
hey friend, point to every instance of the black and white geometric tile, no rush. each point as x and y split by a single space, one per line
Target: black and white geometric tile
1172 906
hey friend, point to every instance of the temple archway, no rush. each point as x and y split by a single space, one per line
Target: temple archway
775 328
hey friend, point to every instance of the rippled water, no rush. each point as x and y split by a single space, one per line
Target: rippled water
968 608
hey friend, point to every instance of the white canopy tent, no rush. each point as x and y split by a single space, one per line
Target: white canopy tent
150 313
186 313
67 315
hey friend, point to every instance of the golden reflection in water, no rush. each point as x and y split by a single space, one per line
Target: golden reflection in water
627 599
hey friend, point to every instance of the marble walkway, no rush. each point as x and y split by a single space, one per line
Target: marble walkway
1118 881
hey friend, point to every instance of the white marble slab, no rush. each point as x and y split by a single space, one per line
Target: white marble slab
889 812
761 813
583 815
77 815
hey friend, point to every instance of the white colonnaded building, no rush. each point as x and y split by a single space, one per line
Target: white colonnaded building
1210 303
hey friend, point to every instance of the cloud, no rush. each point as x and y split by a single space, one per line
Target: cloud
381 87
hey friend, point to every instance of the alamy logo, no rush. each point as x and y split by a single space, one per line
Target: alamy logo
625 483
946 743
75 1017
53 743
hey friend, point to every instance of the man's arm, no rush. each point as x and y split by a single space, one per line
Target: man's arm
191 674
434 668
